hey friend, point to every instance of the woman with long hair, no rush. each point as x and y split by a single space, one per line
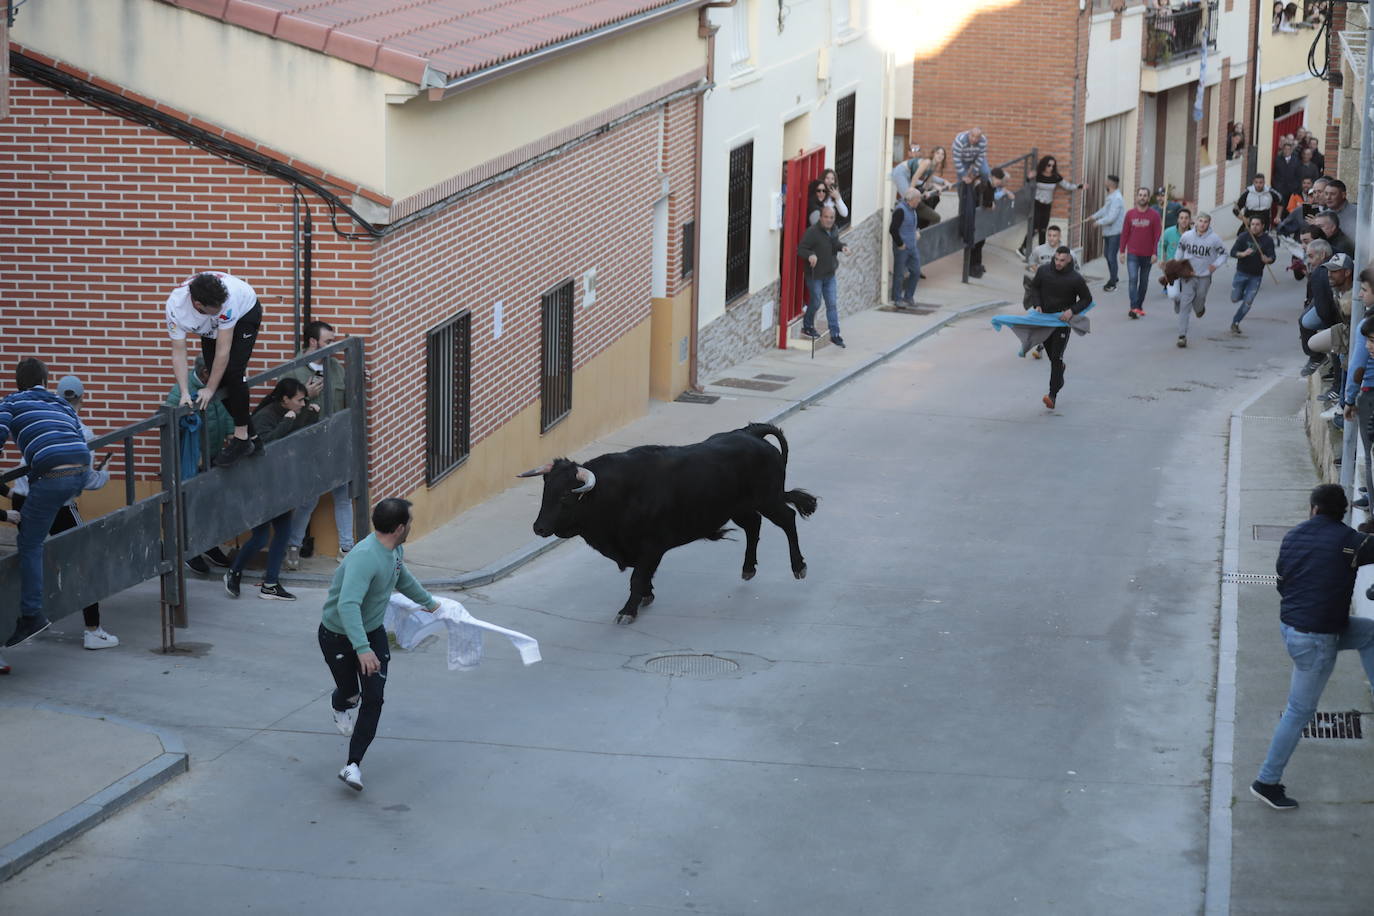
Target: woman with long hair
831 180
1047 179
283 411
816 197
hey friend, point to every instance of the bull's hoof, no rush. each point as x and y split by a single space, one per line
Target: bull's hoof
748 574
646 600
624 619
801 572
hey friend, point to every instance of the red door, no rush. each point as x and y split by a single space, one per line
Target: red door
1288 124
800 172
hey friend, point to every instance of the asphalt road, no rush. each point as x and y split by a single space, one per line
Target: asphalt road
992 694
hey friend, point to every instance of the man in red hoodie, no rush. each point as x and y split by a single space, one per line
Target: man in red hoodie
1139 244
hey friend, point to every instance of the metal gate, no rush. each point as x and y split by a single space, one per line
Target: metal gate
792 301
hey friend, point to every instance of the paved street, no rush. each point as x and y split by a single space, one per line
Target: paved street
992 694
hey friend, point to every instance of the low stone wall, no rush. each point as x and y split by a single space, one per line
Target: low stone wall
737 336
1325 440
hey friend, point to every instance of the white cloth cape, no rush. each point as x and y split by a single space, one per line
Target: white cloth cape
412 624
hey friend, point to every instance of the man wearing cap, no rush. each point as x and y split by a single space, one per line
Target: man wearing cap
226 314
70 389
48 434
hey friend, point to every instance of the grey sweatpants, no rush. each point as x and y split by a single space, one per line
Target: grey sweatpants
1192 299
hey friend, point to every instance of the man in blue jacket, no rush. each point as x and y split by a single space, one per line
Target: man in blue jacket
1110 218
1317 564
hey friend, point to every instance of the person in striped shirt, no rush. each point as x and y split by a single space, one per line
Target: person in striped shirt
970 151
48 433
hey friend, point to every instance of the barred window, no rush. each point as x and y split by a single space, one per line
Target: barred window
738 219
556 340
844 152
448 396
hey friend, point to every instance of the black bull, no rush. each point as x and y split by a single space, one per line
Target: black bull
633 507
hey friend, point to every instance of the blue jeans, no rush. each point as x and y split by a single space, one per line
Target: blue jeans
822 286
1314 655
343 518
46 496
905 261
1138 278
1111 247
1244 287
280 527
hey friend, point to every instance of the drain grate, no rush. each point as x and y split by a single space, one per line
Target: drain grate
1248 578
1293 418
751 384
776 378
920 309
694 665
1334 725
695 397
1269 532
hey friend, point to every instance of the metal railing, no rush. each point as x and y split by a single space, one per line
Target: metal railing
1175 33
151 538
945 238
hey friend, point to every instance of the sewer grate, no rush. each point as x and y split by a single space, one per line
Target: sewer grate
695 397
1334 725
1292 418
920 309
1248 578
751 384
775 378
1269 532
695 665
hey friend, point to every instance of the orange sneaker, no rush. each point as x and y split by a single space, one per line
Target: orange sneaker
1048 401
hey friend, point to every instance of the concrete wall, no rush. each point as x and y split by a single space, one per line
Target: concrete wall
321 109
429 141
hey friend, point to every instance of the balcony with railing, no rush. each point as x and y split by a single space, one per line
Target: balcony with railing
1175 33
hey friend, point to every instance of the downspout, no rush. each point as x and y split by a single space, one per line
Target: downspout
309 247
296 270
707 31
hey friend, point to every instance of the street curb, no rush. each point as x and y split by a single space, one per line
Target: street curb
1221 786
514 560
47 837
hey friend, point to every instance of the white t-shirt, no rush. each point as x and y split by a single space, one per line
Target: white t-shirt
183 319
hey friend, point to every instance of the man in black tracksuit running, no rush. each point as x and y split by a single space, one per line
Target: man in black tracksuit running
1057 287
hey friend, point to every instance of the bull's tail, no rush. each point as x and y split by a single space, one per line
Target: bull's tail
768 429
804 501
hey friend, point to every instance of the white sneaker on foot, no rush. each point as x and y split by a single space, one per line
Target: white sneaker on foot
99 639
345 719
352 776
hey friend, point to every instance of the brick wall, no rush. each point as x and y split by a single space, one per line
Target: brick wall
107 217
110 215
1015 72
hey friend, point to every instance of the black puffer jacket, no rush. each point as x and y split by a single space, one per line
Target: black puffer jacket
1316 566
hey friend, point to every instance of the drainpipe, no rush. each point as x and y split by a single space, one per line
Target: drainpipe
309 246
707 31
296 268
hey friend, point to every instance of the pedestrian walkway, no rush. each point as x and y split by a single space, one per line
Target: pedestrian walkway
1302 861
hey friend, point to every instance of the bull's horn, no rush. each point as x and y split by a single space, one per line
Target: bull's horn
536 472
588 480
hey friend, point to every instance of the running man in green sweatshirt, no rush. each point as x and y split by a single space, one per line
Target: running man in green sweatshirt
352 637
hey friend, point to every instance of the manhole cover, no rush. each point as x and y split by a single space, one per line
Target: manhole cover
694 397
1334 725
691 665
1270 532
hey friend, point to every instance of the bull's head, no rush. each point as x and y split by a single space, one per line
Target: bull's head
566 485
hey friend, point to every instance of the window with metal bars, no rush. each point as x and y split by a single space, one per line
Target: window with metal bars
737 222
448 401
556 341
689 248
844 152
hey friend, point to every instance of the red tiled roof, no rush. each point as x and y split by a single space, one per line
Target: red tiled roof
406 38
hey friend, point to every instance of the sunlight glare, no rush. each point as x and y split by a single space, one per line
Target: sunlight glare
912 29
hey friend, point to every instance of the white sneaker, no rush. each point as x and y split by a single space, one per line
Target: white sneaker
99 639
352 776
345 719
343 554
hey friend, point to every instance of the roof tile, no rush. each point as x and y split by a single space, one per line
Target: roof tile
405 37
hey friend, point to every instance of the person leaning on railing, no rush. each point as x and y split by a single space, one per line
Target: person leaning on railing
283 411
219 426
48 433
319 334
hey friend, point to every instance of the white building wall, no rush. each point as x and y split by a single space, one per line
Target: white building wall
820 55
1113 88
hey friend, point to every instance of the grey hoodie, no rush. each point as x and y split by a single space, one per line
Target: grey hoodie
1204 252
